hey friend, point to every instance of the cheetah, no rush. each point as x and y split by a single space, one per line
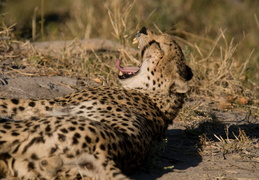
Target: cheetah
99 132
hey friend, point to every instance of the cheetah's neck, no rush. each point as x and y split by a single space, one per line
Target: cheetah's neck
169 104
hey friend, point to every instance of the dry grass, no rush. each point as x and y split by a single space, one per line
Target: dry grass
243 145
218 68
240 144
226 59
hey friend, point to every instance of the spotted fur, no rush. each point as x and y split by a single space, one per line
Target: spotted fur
99 132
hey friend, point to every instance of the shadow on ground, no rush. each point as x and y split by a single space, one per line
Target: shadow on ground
184 146
180 153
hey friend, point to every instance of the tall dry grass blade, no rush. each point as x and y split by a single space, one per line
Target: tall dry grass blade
195 36
119 18
215 43
226 61
198 50
245 64
114 23
150 14
219 138
42 20
34 23
256 21
126 14
159 30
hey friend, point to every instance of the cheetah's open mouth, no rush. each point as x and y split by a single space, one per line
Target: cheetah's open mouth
126 72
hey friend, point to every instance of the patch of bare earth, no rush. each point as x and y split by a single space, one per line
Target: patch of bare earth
212 138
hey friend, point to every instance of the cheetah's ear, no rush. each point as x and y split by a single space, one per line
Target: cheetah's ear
188 73
185 72
179 86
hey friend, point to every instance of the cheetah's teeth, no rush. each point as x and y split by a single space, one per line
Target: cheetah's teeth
120 73
135 41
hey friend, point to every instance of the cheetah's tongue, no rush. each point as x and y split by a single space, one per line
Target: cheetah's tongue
126 70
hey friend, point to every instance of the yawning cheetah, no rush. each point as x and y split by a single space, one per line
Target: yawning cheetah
99 132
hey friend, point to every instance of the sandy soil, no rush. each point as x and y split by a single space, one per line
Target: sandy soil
186 156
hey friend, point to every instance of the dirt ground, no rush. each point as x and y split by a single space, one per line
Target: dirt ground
192 158
210 143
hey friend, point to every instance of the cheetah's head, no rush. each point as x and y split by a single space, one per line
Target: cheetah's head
163 68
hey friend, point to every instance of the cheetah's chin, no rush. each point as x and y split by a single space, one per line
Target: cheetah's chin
126 72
